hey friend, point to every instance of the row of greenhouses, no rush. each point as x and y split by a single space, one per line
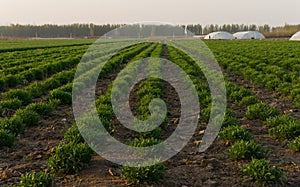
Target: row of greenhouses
246 35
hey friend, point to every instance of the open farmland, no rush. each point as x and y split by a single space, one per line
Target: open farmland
259 142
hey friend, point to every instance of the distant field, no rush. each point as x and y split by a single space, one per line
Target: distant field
11 45
261 130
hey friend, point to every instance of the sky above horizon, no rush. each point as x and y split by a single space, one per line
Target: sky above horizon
176 11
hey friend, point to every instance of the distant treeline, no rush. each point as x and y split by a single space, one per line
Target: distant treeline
284 31
92 30
270 32
56 31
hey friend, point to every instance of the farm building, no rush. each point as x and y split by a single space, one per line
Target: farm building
219 36
248 35
296 36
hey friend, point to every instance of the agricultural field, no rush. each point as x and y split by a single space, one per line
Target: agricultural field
258 145
19 45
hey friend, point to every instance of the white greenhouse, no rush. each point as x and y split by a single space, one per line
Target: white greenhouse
296 36
219 36
248 35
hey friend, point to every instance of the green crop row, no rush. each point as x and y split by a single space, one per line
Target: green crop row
15 122
15 63
242 145
15 59
30 115
28 45
14 99
38 73
73 154
277 69
105 111
27 72
148 90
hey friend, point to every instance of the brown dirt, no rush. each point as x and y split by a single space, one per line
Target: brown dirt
273 99
31 150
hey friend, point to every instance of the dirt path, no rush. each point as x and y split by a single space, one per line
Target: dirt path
31 151
279 153
273 99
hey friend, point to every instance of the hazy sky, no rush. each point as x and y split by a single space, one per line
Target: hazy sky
127 11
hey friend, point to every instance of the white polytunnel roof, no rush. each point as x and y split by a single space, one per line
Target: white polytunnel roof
247 35
296 36
219 36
